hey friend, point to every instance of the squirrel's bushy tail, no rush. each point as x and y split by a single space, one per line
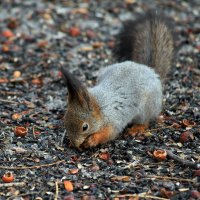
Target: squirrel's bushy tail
147 40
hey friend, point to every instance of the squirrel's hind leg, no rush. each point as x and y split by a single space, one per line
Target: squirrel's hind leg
137 129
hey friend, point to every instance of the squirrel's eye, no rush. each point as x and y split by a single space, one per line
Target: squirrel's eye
85 127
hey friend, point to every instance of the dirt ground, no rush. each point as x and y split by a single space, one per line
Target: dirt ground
37 38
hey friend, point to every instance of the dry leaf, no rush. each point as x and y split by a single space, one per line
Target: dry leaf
19 149
86 48
197 172
42 44
74 31
80 11
30 104
16 74
3 80
73 171
5 48
166 193
186 136
87 197
97 44
68 186
188 123
37 81
7 33
16 116
104 156
121 178
130 1
195 194
176 125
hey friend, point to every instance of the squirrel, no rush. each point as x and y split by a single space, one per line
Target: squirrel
128 92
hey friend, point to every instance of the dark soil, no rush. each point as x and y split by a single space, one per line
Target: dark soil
45 35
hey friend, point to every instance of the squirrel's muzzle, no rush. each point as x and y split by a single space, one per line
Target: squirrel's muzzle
76 142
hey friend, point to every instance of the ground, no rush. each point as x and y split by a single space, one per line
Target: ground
37 38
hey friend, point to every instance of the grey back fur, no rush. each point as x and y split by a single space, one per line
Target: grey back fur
128 92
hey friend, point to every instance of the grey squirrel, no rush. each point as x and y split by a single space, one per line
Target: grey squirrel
129 92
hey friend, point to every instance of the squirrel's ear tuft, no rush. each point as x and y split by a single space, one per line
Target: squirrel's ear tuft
77 92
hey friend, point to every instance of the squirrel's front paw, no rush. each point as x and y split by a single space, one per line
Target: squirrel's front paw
100 137
89 142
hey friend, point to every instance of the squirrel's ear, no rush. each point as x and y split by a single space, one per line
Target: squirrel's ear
77 92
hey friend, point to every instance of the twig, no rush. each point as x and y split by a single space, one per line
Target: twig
171 178
33 130
62 138
160 128
10 93
21 195
181 160
8 101
56 195
32 167
142 195
19 184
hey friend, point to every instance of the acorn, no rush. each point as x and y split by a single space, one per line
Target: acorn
20 131
160 154
8 177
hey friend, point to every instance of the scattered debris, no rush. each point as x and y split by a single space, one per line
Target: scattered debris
36 40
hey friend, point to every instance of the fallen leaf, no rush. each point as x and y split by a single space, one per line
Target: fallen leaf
121 178
7 33
130 1
188 123
87 197
73 171
42 44
16 116
97 44
16 74
104 156
183 189
86 48
195 194
197 172
74 31
127 196
186 136
68 186
19 149
5 48
12 23
111 44
95 168
37 81
30 104
68 197
91 34
176 125
47 16
166 193
3 80
80 11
